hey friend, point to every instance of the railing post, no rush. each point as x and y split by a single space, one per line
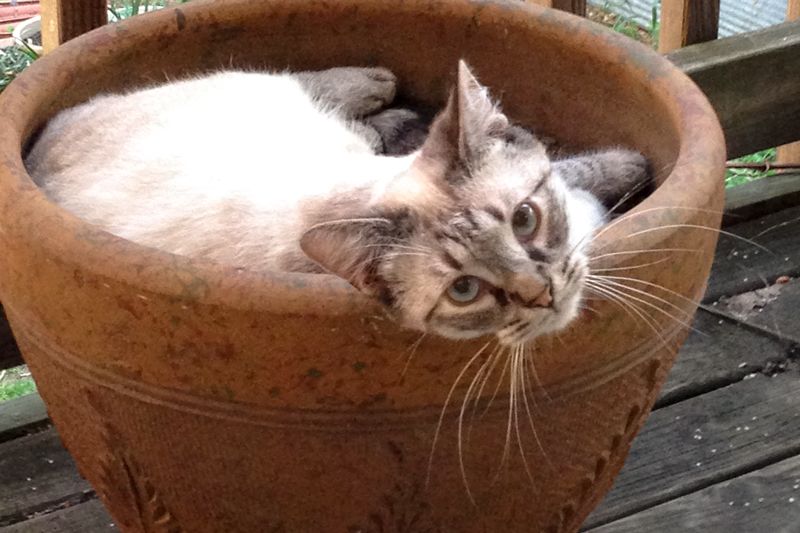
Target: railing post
577 7
685 22
790 153
64 19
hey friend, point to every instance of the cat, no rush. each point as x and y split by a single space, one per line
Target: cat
474 233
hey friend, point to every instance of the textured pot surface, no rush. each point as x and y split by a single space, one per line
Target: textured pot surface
198 397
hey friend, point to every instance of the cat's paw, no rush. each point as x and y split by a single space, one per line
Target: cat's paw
357 91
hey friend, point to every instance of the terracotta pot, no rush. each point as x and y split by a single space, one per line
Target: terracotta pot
198 397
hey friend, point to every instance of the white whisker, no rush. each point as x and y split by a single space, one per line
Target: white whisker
413 350
444 409
706 228
643 251
632 267
617 288
646 318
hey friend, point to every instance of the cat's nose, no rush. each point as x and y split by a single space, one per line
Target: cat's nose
530 291
544 299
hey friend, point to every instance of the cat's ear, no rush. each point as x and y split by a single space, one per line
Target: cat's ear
468 124
349 249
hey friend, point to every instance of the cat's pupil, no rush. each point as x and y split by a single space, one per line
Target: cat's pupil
524 220
465 289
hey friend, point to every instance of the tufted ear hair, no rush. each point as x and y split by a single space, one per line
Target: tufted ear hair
351 249
462 132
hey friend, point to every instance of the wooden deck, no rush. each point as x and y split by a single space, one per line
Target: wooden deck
721 451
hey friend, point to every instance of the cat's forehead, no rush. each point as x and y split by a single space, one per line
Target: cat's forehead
508 181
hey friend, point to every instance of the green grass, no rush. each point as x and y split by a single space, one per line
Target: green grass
14 60
623 22
122 9
16 382
738 176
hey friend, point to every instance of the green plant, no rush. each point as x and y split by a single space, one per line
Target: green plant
738 176
655 26
15 382
14 60
122 9
624 23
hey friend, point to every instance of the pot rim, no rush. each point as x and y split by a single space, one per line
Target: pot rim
59 234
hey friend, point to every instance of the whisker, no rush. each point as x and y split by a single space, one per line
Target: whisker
499 383
517 386
630 194
444 410
776 226
494 357
394 246
380 220
402 254
643 251
632 267
654 285
536 375
464 403
611 283
606 297
646 317
618 289
528 409
629 307
706 228
507 446
627 216
413 350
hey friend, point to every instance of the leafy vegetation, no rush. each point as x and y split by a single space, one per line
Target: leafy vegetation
618 15
15 382
122 9
738 176
14 60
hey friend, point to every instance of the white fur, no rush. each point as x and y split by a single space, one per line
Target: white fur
235 153
238 167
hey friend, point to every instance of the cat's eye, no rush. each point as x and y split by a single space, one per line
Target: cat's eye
465 290
525 221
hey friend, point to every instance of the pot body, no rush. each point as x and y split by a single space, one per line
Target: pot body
197 397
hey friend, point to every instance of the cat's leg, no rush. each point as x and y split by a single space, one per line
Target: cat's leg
356 91
613 176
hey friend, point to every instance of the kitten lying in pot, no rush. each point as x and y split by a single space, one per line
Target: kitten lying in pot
475 233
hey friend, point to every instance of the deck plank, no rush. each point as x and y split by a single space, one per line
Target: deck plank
21 416
36 474
774 308
709 438
767 499
741 267
87 517
720 353
761 197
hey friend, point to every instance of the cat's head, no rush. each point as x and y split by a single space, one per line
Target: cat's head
478 237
